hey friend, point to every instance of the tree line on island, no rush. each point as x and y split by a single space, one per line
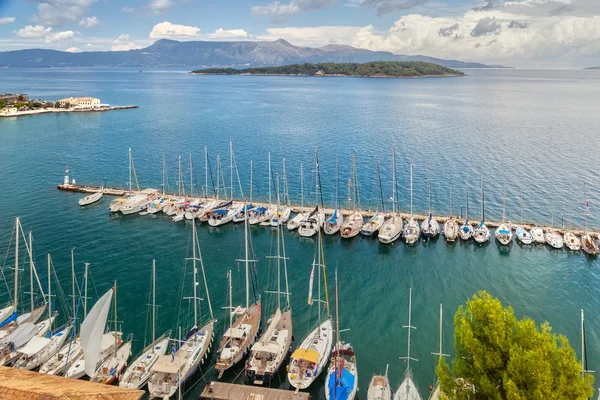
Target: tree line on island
375 69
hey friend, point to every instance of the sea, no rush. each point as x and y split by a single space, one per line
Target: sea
530 134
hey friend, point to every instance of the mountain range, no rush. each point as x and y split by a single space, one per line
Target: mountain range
200 54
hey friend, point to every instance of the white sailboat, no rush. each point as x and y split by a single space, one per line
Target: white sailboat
407 389
466 229
451 227
537 235
379 388
242 332
587 242
354 222
315 220
8 314
92 198
412 231
295 222
436 392
169 372
430 226
392 228
481 234
571 240
504 231
334 222
342 377
310 358
553 238
268 353
377 220
137 374
283 211
522 234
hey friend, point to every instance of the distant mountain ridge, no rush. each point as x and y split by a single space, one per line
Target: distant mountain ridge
593 67
197 54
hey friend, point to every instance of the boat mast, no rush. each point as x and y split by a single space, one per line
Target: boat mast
408 358
570 215
302 185
482 202
337 182
411 192
450 201
522 205
246 253
467 210
585 204
278 249
49 293
429 184
218 169
205 171
349 194
212 317
380 187
153 300
439 353
270 177
337 319
130 183
73 285
393 179
504 206
179 180
319 189
87 264
231 168
194 238
250 183
191 178
30 250
286 194
354 179
115 335
16 299
230 299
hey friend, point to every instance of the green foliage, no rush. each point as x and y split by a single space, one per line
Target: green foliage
2 103
501 357
35 105
375 68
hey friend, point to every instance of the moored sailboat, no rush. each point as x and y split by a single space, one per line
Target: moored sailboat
553 238
354 222
504 231
379 388
377 220
466 229
522 234
411 232
588 244
334 222
430 226
571 240
481 234
391 230
451 228
297 220
407 389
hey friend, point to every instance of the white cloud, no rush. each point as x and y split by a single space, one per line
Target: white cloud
64 35
227 34
127 9
124 43
33 32
278 11
159 6
7 20
73 50
60 12
89 22
169 30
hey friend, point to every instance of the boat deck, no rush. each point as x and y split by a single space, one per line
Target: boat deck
231 391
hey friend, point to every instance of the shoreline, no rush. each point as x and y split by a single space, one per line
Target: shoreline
336 75
65 110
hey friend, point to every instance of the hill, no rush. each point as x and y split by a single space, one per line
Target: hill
592 68
198 54
385 69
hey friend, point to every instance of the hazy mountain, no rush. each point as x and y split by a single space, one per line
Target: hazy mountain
592 67
171 53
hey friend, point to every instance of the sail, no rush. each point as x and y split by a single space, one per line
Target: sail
310 285
21 335
92 330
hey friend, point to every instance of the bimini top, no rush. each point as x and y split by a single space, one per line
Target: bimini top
306 355
340 387
504 232
219 212
36 344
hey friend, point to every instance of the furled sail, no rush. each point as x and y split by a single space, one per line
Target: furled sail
92 330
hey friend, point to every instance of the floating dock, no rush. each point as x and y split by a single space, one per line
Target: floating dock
231 391
297 209
19 384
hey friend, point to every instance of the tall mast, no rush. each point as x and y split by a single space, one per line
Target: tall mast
337 180
230 299
286 194
319 189
179 183
269 156
73 284
231 168
16 298
191 178
302 185
521 203
87 264
205 171
153 300
49 293
585 204
278 251
250 182
247 260
393 179
570 215
429 184
195 272
31 269
349 194
354 180
504 205
408 358
411 191
380 187
482 202
115 335
450 200
130 183
439 353
467 210
320 261
337 316
218 169
163 174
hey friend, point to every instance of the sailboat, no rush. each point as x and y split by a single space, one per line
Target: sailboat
504 231
553 238
353 224
587 243
137 374
268 353
342 376
92 198
111 368
407 389
481 234
262 215
436 393
334 222
451 228
295 222
391 229
169 372
310 358
466 229
242 331
379 388
225 213
376 221
571 240
314 222
523 235
159 203
584 369
282 214
411 229
430 226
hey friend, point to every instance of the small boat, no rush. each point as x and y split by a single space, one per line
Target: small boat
537 234
504 232
407 389
451 228
411 232
352 225
90 199
430 226
523 235
553 238
333 223
342 376
571 240
310 358
373 224
466 230
481 234
589 246
379 388
312 224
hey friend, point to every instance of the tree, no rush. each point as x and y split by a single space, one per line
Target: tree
501 357
2 104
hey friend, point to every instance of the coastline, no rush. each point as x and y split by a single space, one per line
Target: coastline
337 75
65 110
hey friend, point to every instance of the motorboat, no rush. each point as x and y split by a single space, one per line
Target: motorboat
373 224
90 199
391 229
523 235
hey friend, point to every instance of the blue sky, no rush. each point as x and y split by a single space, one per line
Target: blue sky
561 33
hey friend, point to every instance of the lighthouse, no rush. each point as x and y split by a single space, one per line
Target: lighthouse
66 180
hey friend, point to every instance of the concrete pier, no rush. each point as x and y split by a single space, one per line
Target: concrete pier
231 391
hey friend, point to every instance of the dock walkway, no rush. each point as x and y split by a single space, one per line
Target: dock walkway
231 391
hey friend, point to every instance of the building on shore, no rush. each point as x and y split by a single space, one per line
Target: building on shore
12 98
79 102
9 111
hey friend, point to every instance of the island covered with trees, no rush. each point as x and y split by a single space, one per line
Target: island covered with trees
382 69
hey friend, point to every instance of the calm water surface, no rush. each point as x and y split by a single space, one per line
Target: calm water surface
526 131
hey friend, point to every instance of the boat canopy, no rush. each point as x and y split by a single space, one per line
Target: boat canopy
340 387
21 335
35 345
259 209
170 364
272 348
306 355
235 333
504 232
219 212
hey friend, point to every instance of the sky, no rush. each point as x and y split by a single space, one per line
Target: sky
521 33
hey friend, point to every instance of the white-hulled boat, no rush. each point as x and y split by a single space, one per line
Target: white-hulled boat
16 340
553 238
342 376
436 390
451 227
589 246
169 372
391 230
373 224
310 358
68 355
259 214
298 219
280 216
466 229
537 234
116 204
504 231
407 389
240 216
333 223
481 234
352 225
430 226
138 202
225 214
379 388
90 199
571 240
268 353
411 232
312 224
522 234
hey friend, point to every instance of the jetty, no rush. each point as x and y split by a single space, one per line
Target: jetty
16 384
231 391
15 113
74 187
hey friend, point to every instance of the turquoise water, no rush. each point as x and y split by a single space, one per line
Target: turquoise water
531 131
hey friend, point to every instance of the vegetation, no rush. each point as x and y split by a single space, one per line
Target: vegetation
376 68
501 357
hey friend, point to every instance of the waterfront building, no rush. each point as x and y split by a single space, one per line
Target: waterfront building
11 98
80 102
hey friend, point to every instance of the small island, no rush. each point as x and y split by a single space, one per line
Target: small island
376 69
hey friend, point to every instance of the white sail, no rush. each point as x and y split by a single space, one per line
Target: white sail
92 330
310 285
